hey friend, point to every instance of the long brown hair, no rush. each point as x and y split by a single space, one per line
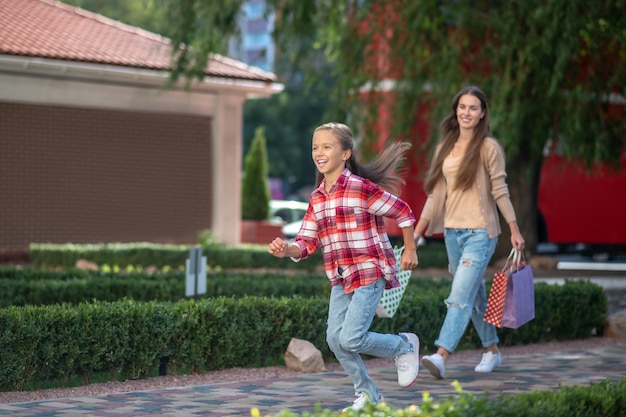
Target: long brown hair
450 131
383 170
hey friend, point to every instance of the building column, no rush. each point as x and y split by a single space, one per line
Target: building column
226 167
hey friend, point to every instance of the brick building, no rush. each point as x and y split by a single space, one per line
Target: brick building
93 148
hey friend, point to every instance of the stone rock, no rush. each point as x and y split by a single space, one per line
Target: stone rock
616 328
303 356
86 265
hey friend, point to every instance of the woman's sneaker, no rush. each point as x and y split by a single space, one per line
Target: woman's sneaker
408 363
362 399
488 362
435 364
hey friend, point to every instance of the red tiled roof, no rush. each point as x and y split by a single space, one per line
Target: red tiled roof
51 29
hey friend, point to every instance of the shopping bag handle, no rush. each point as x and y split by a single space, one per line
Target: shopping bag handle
510 260
513 261
518 258
397 251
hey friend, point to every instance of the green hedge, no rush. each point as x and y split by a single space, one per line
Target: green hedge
128 338
41 287
174 256
122 254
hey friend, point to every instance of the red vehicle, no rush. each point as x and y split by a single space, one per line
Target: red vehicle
577 206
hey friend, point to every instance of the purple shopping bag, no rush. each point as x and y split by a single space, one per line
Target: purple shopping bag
519 304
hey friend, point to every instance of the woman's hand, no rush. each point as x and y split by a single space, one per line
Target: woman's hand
278 247
517 240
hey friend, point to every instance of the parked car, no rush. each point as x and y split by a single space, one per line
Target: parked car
287 211
290 230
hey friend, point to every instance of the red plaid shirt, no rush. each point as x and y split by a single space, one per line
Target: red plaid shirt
348 225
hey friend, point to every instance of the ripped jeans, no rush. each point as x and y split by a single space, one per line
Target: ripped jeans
469 252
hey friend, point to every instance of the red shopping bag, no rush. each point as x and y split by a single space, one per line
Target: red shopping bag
495 302
497 294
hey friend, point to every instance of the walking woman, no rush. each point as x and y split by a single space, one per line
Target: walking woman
466 187
345 220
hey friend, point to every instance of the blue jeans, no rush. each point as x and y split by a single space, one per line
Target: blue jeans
349 319
469 252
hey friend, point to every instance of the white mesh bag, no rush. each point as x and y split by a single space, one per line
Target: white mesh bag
390 300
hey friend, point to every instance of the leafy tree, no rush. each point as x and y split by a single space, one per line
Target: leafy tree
199 28
290 118
255 197
549 68
146 14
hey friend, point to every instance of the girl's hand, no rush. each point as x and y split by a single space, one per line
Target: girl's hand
278 247
409 260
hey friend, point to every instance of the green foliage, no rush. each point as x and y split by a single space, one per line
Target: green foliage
42 287
206 238
551 69
547 67
539 62
255 198
127 338
603 399
543 64
555 317
290 118
20 287
200 28
121 255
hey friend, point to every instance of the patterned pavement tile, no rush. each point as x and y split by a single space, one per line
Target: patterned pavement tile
333 390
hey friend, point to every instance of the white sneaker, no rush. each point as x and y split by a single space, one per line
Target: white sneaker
408 363
488 362
362 399
435 364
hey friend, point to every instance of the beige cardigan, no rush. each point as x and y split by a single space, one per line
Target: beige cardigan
492 191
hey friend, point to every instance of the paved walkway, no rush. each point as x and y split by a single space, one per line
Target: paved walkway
333 390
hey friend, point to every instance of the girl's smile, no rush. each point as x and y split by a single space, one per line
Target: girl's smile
328 156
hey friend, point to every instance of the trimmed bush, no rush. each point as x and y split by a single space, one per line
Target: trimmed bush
128 338
248 256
